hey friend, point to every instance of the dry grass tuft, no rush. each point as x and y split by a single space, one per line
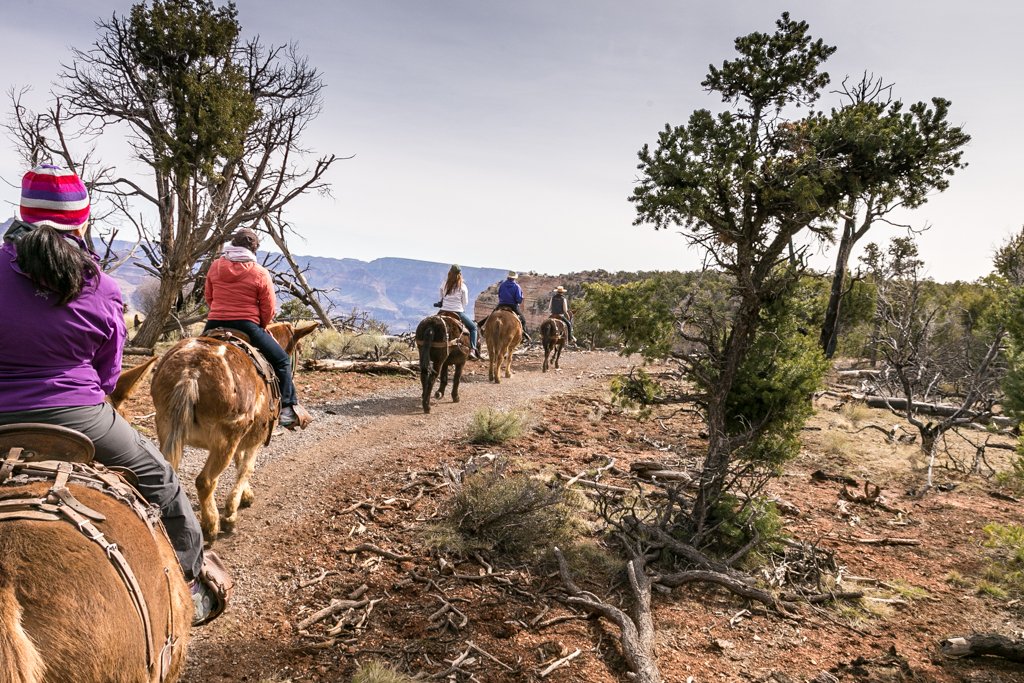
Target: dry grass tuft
494 427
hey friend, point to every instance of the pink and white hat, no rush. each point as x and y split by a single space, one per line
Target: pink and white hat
54 196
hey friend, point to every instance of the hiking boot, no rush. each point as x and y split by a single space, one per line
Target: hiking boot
527 338
476 355
207 604
288 420
574 341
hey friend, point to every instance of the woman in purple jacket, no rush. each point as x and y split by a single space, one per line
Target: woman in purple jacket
60 353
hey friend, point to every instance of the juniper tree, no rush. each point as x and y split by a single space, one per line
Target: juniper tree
895 157
744 185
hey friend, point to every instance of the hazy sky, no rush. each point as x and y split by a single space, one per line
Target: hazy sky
505 134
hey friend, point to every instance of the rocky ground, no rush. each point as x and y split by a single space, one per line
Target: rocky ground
365 475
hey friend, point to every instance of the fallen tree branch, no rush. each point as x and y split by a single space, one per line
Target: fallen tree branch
371 548
332 609
983 644
559 663
636 630
369 367
731 583
885 540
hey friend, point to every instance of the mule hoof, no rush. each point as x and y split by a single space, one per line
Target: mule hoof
455 399
210 534
246 499
437 394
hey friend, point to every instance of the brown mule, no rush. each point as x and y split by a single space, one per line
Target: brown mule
553 333
503 333
443 342
67 612
208 394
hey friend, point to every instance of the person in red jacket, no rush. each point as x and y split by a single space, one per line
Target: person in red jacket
240 295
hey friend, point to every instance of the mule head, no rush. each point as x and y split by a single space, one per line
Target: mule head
288 335
128 382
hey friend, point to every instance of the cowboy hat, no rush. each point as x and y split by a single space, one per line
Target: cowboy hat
513 275
560 289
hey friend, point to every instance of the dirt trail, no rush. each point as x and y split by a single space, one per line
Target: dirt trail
350 436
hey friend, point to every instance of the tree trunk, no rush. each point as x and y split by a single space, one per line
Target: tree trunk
719 455
153 326
830 328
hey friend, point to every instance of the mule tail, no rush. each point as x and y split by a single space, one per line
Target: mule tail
428 341
20 661
183 400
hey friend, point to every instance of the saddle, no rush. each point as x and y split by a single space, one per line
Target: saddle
560 328
265 370
450 340
63 456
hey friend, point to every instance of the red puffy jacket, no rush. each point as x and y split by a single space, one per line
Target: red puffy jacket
240 291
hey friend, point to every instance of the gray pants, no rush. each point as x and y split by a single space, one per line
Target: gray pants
119 445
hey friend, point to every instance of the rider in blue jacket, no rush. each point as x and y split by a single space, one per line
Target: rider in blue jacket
511 294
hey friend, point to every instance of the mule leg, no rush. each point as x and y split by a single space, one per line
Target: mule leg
443 383
455 382
427 380
245 463
508 362
547 352
221 455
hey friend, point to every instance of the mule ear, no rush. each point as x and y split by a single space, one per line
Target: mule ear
304 329
129 381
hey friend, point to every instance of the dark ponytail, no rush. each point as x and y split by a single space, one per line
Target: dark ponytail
55 263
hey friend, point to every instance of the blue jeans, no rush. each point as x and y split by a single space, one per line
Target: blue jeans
471 326
269 347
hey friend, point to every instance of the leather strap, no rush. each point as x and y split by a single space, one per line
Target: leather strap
60 504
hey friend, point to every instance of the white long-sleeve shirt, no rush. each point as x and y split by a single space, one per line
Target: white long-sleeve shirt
456 301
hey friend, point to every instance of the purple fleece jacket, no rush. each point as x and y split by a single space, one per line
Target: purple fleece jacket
57 356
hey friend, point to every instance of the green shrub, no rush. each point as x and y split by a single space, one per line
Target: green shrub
1013 478
637 390
511 513
378 672
1004 575
491 426
736 525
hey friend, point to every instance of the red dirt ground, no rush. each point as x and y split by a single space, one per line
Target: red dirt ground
309 517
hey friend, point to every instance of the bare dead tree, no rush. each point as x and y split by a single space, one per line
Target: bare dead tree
200 196
41 137
930 349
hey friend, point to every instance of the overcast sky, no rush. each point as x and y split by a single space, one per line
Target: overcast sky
505 133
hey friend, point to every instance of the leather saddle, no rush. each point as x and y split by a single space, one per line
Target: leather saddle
560 328
263 367
456 339
39 441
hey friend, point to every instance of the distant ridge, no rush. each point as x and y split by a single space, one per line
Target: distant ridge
396 291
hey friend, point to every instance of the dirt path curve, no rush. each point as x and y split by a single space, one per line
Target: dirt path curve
349 437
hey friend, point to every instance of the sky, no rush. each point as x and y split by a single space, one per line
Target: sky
505 134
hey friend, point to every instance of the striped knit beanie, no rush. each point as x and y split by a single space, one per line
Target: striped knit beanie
54 196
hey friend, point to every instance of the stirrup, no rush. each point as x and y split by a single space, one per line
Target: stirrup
218 583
